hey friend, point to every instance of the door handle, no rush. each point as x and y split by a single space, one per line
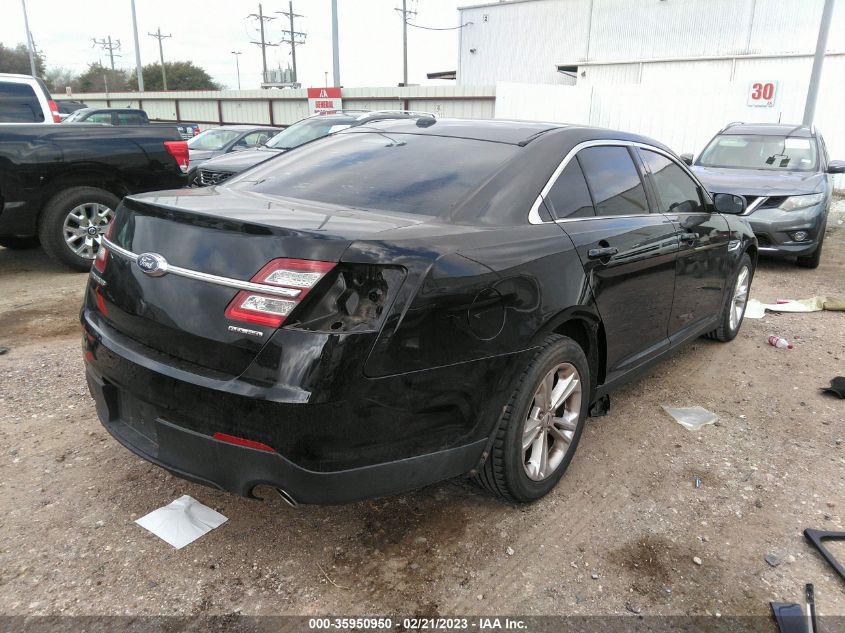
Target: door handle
601 253
689 237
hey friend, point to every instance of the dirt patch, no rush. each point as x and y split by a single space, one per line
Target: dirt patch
57 319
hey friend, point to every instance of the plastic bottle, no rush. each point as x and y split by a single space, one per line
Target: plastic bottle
780 343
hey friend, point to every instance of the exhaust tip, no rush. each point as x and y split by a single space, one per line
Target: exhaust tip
287 498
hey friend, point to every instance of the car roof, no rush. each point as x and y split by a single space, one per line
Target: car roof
501 131
770 129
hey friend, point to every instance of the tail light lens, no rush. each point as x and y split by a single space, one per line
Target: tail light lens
103 252
196 130
54 110
179 151
299 276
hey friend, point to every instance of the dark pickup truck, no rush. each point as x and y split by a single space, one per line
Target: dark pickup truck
60 184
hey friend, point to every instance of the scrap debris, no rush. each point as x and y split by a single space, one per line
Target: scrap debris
691 418
757 309
182 521
837 387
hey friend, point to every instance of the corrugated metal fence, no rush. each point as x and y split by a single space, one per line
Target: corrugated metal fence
283 107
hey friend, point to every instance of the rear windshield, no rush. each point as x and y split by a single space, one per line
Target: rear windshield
411 173
777 153
19 104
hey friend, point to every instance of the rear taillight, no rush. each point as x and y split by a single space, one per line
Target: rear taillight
179 151
54 110
103 252
298 276
196 130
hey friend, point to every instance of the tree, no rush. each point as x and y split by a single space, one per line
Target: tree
95 78
57 79
180 76
16 60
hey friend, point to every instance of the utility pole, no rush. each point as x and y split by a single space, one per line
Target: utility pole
29 46
291 36
139 72
237 67
160 37
405 11
818 61
335 46
108 45
263 44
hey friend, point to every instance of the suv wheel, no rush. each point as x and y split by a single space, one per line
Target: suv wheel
541 425
73 223
813 261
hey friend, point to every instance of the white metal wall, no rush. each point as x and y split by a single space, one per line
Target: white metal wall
682 119
289 106
525 41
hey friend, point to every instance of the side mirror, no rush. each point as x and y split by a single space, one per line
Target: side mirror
687 158
238 148
836 167
730 203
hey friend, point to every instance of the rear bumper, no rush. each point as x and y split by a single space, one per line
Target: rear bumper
205 460
400 433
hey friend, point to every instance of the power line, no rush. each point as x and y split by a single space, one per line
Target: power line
161 37
107 45
292 36
263 43
431 28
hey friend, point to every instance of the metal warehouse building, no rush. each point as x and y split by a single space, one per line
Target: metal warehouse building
600 42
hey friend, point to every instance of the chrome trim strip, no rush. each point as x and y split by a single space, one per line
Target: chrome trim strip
534 212
212 279
751 208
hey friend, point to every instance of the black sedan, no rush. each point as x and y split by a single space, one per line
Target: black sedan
405 302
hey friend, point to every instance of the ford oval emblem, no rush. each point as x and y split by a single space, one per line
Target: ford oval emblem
152 264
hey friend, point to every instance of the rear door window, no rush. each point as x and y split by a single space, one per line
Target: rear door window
678 192
614 180
569 196
130 118
19 104
99 117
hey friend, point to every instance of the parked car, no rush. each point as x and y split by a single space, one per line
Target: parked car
217 170
69 106
128 116
109 116
786 176
60 184
227 138
24 100
405 302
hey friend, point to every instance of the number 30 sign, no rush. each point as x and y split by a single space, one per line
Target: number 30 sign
762 93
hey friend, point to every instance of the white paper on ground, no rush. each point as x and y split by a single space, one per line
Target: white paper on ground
755 309
181 522
692 418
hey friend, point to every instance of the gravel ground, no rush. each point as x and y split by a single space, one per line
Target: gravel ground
626 530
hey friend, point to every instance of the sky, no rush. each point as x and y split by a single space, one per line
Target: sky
206 31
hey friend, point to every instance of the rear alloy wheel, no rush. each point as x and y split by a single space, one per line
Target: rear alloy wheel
73 223
541 425
734 310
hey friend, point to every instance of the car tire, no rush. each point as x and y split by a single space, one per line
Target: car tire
70 208
729 320
18 243
514 471
813 260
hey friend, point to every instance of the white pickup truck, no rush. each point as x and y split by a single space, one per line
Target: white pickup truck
25 100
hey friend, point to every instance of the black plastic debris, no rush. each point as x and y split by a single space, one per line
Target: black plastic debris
837 387
3 350
817 536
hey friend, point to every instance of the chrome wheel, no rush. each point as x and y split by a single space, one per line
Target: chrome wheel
552 421
84 227
740 298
